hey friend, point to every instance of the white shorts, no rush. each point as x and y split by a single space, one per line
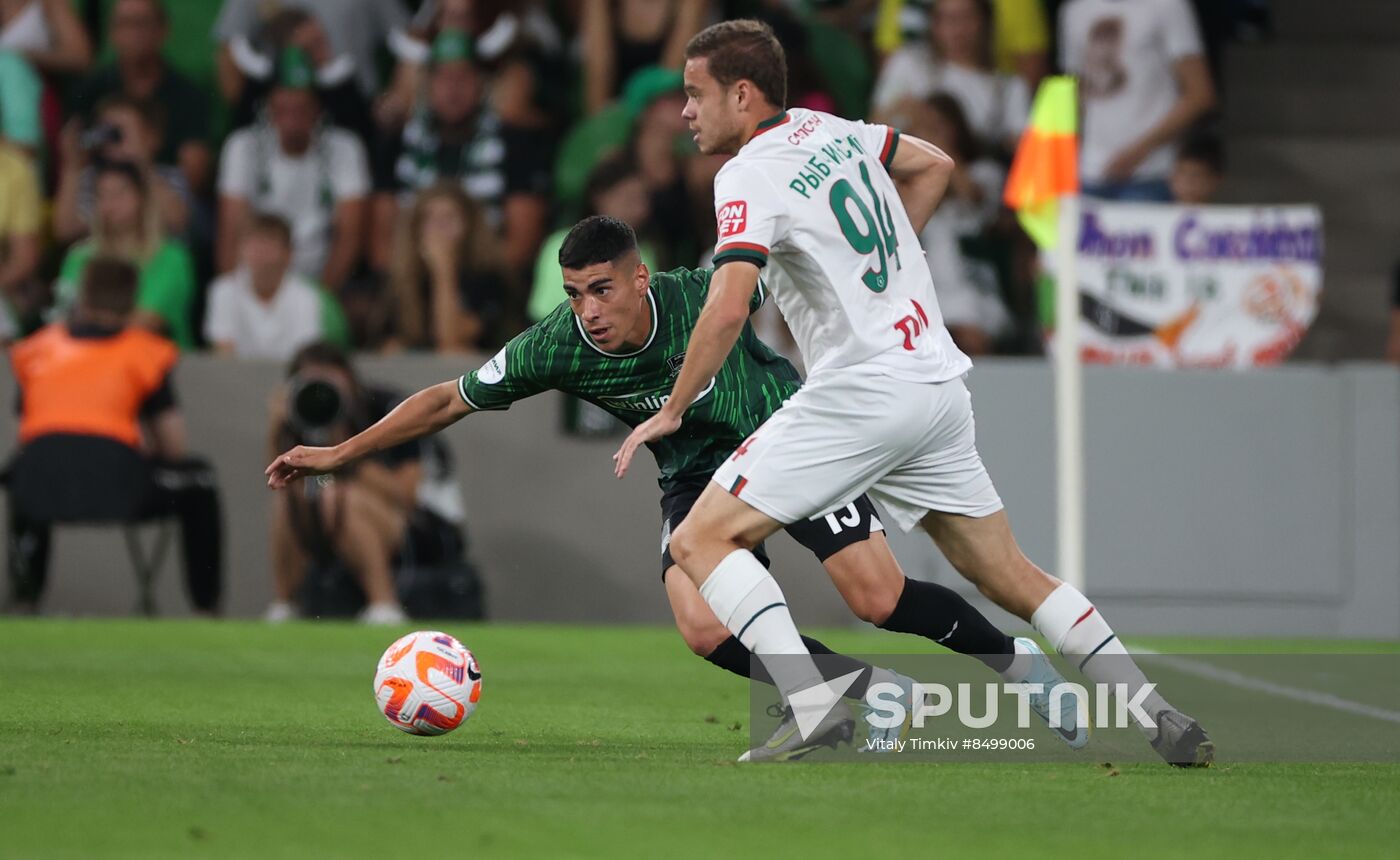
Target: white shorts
910 445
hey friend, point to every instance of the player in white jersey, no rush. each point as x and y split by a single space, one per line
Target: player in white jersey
810 192
832 208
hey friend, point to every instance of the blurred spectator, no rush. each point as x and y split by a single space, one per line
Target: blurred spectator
361 518
289 164
263 309
19 102
1198 171
615 189
1020 34
661 146
92 388
1021 39
20 216
47 33
809 72
957 59
124 129
333 76
968 286
700 173
459 136
126 225
137 34
357 28
973 200
448 287
621 37
517 44
1143 81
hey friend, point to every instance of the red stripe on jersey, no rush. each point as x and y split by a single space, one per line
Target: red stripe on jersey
885 150
771 123
742 246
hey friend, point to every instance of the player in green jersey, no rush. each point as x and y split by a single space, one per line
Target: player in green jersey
619 342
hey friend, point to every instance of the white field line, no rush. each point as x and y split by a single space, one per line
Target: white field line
1246 682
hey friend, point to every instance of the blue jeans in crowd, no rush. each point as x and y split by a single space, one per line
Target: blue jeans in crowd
1133 191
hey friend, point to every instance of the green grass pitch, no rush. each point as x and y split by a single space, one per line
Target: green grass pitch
188 739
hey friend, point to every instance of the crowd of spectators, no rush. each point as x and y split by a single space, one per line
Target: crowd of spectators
289 180
393 174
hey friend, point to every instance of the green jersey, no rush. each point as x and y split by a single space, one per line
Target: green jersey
557 354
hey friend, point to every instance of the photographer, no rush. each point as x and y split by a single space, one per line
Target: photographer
400 505
137 31
124 130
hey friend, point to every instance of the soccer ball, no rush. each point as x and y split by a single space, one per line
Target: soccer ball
428 683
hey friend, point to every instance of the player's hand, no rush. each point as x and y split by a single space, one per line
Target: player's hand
300 462
659 425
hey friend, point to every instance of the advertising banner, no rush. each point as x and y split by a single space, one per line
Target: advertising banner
1197 286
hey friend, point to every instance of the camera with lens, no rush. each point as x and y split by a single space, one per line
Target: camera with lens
316 410
100 135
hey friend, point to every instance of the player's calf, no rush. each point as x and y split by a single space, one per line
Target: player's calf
702 631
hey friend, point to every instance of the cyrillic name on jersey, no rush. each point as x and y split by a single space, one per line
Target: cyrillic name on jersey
818 168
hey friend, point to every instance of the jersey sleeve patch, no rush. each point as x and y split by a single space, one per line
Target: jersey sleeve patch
506 377
494 370
888 150
732 218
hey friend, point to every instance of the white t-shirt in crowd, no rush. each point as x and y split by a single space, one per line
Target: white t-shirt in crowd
273 329
28 32
304 189
1123 52
997 105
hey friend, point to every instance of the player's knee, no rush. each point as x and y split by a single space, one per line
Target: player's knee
874 602
691 540
684 544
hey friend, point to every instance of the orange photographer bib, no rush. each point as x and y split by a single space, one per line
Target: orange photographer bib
89 386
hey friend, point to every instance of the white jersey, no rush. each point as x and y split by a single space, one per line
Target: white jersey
809 193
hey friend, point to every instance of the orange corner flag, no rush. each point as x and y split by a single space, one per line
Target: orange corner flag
1046 166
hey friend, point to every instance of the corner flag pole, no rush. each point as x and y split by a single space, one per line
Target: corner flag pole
1043 188
1069 401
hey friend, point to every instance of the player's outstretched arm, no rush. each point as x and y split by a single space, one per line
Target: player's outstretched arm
921 172
716 331
423 414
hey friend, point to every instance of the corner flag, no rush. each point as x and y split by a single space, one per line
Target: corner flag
1046 166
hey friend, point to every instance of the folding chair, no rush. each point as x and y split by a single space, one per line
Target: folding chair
82 480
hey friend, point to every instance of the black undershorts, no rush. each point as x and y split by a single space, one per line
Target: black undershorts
824 536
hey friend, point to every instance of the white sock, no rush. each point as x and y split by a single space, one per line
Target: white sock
748 600
1078 631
